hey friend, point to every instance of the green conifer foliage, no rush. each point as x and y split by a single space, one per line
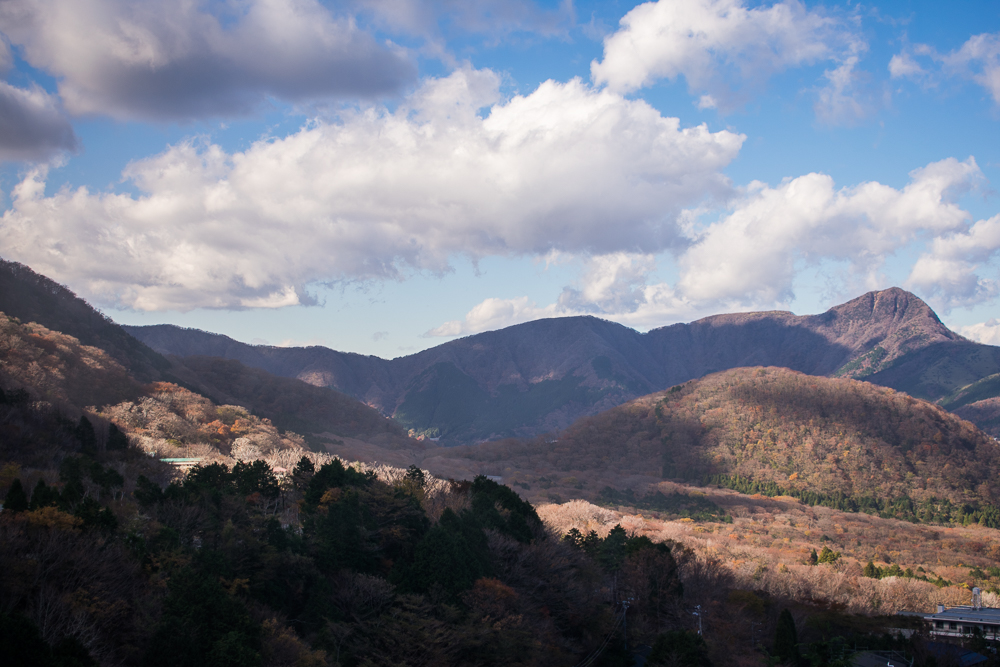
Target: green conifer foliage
786 638
872 571
84 432
827 555
117 441
43 495
17 499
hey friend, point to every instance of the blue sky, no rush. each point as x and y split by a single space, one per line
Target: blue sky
380 177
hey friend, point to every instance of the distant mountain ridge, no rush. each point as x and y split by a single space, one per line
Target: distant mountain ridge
542 375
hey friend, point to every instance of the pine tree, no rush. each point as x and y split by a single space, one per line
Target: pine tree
786 638
813 558
17 499
416 475
872 571
117 441
44 495
84 432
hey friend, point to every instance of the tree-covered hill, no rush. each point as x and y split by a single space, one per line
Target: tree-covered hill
31 297
58 369
102 562
776 430
291 404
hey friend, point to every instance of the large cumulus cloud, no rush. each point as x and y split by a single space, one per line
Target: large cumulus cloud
178 59
378 194
750 255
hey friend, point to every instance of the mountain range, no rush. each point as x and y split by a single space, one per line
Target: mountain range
543 375
795 409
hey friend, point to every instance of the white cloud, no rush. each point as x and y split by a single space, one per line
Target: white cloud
750 256
978 60
751 253
717 45
495 314
840 101
376 195
169 59
610 283
987 332
949 272
902 65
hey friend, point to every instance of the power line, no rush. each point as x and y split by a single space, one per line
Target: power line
589 660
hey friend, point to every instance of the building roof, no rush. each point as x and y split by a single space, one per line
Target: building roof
967 614
962 656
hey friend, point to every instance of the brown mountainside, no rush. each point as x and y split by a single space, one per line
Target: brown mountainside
804 433
70 355
58 369
32 297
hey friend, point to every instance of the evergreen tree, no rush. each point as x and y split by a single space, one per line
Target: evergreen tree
872 571
44 495
84 433
813 558
827 555
17 499
71 475
416 475
612 552
786 638
117 441
302 473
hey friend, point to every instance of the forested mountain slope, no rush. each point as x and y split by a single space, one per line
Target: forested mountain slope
542 375
222 402
67 353
773 428
32 297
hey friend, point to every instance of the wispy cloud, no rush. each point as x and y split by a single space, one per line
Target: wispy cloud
977 60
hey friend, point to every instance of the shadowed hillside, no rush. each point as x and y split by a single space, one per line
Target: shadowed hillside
31 297
291 404
540 376
778 430
69 354
58 369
